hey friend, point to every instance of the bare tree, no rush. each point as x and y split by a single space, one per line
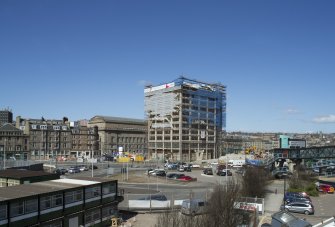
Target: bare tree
220 211
254 182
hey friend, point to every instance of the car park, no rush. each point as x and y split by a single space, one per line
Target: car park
298 207
325 188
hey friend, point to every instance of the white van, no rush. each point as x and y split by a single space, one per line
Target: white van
194 206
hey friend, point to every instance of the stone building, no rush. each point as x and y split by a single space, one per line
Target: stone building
120 134
48 139
85 140
13 143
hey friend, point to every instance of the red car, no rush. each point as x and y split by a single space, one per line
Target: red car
185 178
325 188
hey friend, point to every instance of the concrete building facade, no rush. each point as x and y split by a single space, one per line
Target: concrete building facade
185 119
120 134
6 116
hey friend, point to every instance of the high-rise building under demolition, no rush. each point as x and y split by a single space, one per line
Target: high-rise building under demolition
185 119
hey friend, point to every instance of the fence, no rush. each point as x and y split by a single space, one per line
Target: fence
156 202
151 202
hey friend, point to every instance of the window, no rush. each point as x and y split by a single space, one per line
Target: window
73 196
57 200
34 126
3 182
48 202
31 206
45 202
3 211
56 127
43 127
92 192
108 211
92 215
109 188
54 224
12 182
17 208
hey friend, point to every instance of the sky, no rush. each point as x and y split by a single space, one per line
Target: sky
84 58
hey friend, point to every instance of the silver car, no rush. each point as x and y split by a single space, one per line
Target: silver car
299 207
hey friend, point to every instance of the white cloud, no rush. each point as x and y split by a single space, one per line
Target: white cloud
325 119
292 110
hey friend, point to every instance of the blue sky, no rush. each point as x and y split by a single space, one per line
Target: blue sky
84 58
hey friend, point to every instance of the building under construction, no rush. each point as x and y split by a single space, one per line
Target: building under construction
185 119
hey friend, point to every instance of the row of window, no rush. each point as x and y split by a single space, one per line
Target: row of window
21 207
45 127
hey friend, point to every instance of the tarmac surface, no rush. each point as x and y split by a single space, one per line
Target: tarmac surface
324 208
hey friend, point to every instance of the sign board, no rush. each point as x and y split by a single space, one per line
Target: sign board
296 143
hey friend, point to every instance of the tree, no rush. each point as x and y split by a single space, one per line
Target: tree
254 182
220 211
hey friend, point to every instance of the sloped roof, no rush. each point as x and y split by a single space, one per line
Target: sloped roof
118 119
9 127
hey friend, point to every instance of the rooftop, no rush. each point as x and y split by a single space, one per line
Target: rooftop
22 173
118 119
25 190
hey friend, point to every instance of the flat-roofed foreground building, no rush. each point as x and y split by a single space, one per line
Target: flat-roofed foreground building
58 203
12 177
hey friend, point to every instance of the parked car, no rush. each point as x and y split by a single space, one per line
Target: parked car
177 175
74 169
159 197
155 171
296 195
325 188
188 168
61 171
171 175
171 166
223 173
83 168
283 174
181 168
160 173
208 171
194 206
185 178
297 207
297 200
94 167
